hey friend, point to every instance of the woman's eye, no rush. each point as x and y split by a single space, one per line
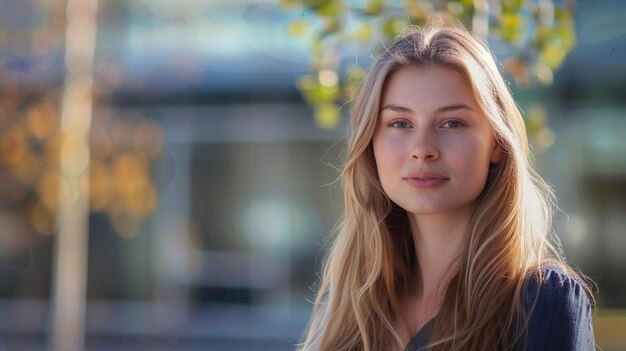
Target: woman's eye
400 124
453 124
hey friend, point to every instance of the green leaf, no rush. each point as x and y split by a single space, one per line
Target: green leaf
316 5
536 58
373 7
331 9
511 5
393 27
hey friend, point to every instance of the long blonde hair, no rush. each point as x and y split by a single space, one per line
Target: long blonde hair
369 267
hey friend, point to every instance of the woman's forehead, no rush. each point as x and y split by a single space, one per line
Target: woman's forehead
428 86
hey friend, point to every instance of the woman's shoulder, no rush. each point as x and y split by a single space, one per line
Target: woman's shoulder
553 282
560 311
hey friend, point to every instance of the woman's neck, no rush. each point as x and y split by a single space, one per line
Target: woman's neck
438 240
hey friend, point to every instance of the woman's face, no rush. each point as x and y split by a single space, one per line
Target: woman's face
432 143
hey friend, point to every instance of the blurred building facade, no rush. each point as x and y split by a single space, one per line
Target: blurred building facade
247 183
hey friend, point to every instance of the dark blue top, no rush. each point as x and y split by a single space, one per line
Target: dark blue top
560 319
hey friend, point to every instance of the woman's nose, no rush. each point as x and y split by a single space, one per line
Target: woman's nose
424 148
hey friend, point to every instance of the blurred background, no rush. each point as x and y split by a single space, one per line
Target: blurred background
188 206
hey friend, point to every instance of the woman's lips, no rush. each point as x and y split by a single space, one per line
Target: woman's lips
425 180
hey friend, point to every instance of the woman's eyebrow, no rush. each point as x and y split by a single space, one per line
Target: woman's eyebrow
449 108
454 107
396 108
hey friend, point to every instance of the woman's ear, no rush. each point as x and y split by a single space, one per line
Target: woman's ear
496 153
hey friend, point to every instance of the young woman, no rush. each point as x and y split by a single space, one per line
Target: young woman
446 240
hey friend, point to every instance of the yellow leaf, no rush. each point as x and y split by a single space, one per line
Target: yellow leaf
298 28
514 20
363 32
290 4
327 115
535 119
553 54
374 7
